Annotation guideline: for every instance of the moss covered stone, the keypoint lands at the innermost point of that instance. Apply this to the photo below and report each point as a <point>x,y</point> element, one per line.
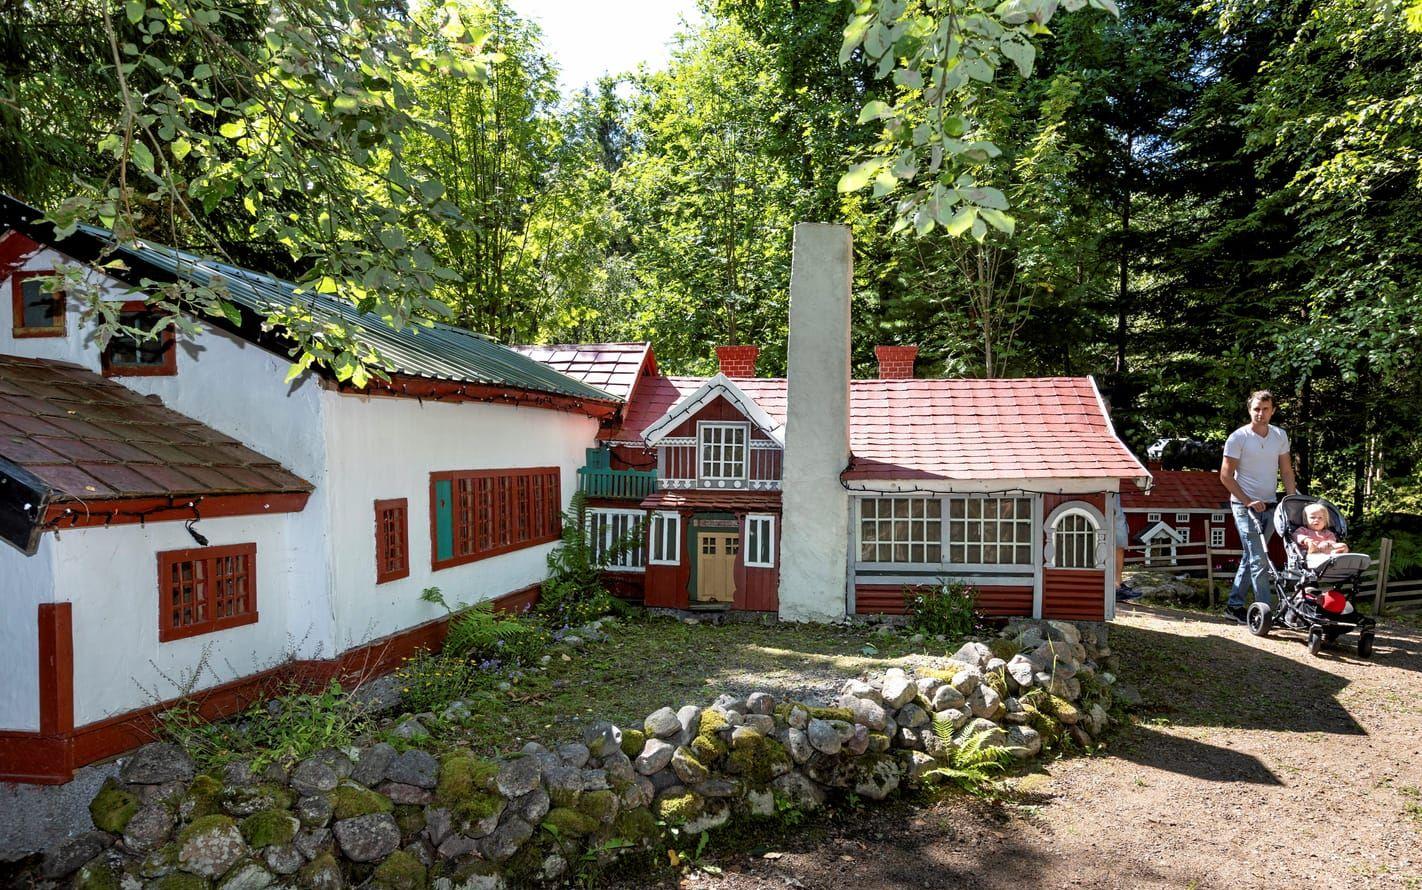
<point>632,742</point>
<point>712,721</point>
<point>599,805</point>
<point>1004,648</point>
<point>96,876</point>
<point>782,711</point>
<point>349,801</point>
<point>269,828</point>
<point>112,807</point>
<point>204,798</point>
<point>247,801</point>
<point>467,786</point>
<point>708,748</point>
<point>759,760</point>
<point>323,871</point>
<point>203,826</point>
<point>565,821</point>
<point>678,809</point>
<point>180,881</point>
<point>639,826</point>
<point>399,871</point>
<point>410,818</point>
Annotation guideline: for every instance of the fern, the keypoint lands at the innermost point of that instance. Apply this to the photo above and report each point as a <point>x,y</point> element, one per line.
<point>573,593</point>
<point>478,633</point>
<point>971,762</point>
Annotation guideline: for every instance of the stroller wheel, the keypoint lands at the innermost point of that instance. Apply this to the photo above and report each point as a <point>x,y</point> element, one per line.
<point>1365,646</point>
<point>1261,619</point>
<point>1315,641</point>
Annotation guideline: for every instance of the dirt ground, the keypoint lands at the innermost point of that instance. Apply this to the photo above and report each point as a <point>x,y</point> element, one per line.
<point>1252,765</point>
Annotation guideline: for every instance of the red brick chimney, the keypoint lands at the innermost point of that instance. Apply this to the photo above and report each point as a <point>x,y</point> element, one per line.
<point>737,361</point>
<point>895,362</point>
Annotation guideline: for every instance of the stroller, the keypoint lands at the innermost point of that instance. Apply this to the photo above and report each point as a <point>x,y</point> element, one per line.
<point>1316,598</point>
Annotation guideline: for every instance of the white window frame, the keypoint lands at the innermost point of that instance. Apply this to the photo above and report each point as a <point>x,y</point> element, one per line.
<point>758,525</point>
<point>703,462</point>
<point>1152,517</point>
<point>1217,517</point>
<point>924,522</point>
<point>1018,522</point>
<point>602,523</point>
<point>1097,534</point>
<point>1217,537</point>
<point>1182,517</point>
<point>1184,532</point>
<point>664,539</point>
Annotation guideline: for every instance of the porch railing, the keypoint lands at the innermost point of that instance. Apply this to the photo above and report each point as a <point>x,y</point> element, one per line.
<point>626,484</point>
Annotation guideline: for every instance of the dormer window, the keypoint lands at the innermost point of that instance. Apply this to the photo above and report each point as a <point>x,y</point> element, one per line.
<point>129,355</point>
<point>38,305</point>
<point>721,451</point>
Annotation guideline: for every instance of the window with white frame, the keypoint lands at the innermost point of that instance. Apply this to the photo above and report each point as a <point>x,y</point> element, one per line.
<point>1076,540</point>
<point>722,450</point>
<point>616,538</point>
<point>1184,532</point>
<point>989,530</point>
<point>760,541</point>
<point>1152,517</point>
<point>665,539</point>
<point>1217,517</point>
<point>1217,537</point>
<point>903,530</point>
<point>1182,517</point>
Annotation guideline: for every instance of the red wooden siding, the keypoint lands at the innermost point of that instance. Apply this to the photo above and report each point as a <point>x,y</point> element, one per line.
<point>721,411</point>
<point>993,601</point>
<point>757,589</point>
<point>666,586</point>
<point>1076,594</point>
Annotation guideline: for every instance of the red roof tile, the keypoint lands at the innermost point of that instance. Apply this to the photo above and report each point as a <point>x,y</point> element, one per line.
<point>611,367</point>
<point>88,437</point>
<point>1180,490</point>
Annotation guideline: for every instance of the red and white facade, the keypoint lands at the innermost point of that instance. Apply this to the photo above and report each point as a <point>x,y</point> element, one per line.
<point>1184,514</point>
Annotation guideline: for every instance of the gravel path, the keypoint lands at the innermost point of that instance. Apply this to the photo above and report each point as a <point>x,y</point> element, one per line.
<point>1253,765</point>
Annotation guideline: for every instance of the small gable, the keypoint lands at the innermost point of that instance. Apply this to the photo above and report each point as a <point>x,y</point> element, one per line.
<point>718,399</point>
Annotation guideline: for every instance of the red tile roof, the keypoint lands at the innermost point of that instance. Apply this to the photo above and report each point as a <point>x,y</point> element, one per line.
<point>612,367</point>
<point>1030,428</point>
<point>89,438</point>
<point>1180,490</point>
<point>700,499</point>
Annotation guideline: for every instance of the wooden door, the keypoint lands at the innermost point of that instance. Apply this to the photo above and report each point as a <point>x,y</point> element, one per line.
<point>716,566</point>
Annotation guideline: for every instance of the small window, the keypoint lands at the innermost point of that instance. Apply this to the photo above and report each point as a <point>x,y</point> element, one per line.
<point>38,306</point>
<point>665,539</point>
<point>616,539</point>
<point>128,355</point>
<point>1152,517</point>
<point>760,541</point>
<point>901,530</point>
<point>723,450</point>
<point>1076,541</point>
<point>1217,537</point>
<point>1182,517</point>
<point>1217,517</point>
<point>392,540</point>
<point>1184,533</point>
<point>206,589</point>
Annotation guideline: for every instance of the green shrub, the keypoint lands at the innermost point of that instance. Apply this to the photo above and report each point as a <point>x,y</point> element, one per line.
<point>477,633</point>
<point>430,681</point>
<point>946,609</point>
<point>971,762</point>
<point>574,593</point>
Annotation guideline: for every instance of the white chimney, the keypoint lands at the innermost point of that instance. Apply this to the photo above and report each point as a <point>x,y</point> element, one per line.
<point>814,538</point>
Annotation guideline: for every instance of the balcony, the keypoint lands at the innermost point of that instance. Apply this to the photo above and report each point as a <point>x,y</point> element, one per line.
<point>601,482</point>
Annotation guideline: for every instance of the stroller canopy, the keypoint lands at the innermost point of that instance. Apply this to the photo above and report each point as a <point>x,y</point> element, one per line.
<point>1289,515</point>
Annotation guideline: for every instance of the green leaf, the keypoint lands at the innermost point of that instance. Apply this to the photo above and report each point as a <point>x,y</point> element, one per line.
<point>229,311</point>
<point>873,111</point>
<point>233,129</point>
<point>999,220</point>
<point>961,221</point>
<point>979,230</point>
<point>180,148</point>
<point>135,9</point>
<point>986,196</point>
<point>884,183</point>
<point>1021,53</point>
<point>393,239</point>
<point>859,176</point>
<point>141,156</point>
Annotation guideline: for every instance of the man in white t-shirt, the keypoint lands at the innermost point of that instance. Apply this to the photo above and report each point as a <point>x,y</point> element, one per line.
<point>1255,455</point>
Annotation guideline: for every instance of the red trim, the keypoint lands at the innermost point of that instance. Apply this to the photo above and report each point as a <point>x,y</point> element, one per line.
<point>37,758</point>
<point>392,539</point>
<point>126,511</point>
<point>166,338</point>
<point>550,520</point>
<point>17,307</point>
<point>212,593</point>
<point>15,248</point>
<point>56,668</point>
<point>409,387</point>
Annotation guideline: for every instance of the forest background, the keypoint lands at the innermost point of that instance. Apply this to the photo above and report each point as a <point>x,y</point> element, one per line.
<point>1208,199</point>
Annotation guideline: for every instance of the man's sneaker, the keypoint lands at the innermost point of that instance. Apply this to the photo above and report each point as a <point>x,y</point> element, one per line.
<point>1124,593</point>
<point>1238,613</point>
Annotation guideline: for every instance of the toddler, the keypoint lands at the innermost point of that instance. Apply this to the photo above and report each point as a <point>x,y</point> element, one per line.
<point>1316,539</point>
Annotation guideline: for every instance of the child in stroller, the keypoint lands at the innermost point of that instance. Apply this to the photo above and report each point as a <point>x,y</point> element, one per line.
<point>1320,579</point>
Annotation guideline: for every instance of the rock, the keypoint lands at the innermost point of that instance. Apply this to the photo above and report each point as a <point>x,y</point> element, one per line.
<point>865,711</point>
<point>996,736</point>
<point>662,724</point>
<point>311,776</point>
<point>574,754</point>
<point>237,774</point>
<point>972,654</point>
<point>823,736</point>
<point>322,873</point>
<point>414,767</point>
<point>911,716</point>
<point>927,686</point>
<point>966,680</point>
<point>532,807</point>
<point>689,716</point>
<point>655,756</point>
<point>1065,630</point>
<point>799,791</point>
<point>687,768</point>
<point>799,716</point>
<point>619,768</point>
<point>157,763</point>
<point>602,738</point>
<point>410,795</point>
<point>945,697</point>
<point>283,859</point>
<point>719,787</point>
<point>879,779</point>
<point>276,773</point>
<point>369,769</point>
<point>760,703</point>
<point>314,810</point>
<point>564,785</point>
<point>312,841</point>
<point>1021,670</point>
<point>337,760</point>
<point>518,776</point>
<point>368,838</point>
<point>247,877</point>
<point>663,780</point>
<point>1016,714</point>
<point>860,689</point>
<point>1080,735</point>
<point>797,742</point>
<point>503,843</point>
<point>986,703</point>
<point>910,739</point>
<point>455,712</point>
<point>1064,670</point>
<point>210,846</point>
<point>439,824</point>
<point>457,846</point>
<point>898,690</point>
<point>66,857</point>
<point>995,664</point>
<point>148,829</point>
<point>1023,741</point>
<point>1098,719</point>
<point>956,716</point>
<point>859,742</point>
<point>918,764</point>
<point>760,723</point>
<point>745,737</point>
<point>714,815</point>
<point>1067,688</point>
<point>728,702</point>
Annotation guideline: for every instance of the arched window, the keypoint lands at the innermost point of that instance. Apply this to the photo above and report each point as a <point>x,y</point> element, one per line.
<point>1076,540</point>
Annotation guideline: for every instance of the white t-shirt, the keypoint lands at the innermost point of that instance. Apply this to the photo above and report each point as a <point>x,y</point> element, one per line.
<point>1258,469</point>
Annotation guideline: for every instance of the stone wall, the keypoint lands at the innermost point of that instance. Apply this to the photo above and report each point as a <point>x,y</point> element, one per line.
<point>377,817</point>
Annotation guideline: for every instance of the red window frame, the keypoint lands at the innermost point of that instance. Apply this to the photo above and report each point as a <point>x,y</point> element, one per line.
<point>17,307</point>
<point>234,564</point>
<point>392,539</point>
<point>168,368</point>
<point>496,512</point>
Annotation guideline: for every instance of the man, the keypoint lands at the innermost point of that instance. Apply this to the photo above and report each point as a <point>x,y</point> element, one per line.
<point>1255,455</point>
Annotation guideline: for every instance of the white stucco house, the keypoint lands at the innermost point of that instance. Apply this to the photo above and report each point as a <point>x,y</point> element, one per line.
<point>179,518</point>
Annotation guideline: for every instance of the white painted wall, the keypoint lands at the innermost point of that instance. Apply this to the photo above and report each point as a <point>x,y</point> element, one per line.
<point>25,583</point>
<point>111,577</point>
<point>814,551</point>
<point>387,448</point>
